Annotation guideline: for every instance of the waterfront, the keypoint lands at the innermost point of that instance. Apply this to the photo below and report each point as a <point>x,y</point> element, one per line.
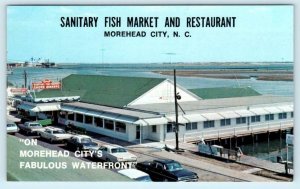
<point>285,88</point>
<point>260,149</point>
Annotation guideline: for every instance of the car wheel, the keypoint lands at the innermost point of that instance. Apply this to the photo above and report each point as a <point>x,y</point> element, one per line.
<point>51,140</point>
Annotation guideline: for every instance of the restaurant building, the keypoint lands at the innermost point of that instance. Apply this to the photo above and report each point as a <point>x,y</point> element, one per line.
<point>140,109</point>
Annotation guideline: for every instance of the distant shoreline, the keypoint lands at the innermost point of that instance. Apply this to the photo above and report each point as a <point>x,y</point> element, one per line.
<point>266,75</point>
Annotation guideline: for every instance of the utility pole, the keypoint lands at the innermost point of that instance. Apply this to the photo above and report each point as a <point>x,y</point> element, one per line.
<point>25,79</point>
<point>176,111</point>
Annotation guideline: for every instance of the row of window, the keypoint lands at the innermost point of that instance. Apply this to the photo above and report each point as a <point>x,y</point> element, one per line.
<point>226,122</point>
<point>98,122</point>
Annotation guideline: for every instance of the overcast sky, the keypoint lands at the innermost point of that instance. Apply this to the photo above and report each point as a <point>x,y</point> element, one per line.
<point>262,33</point>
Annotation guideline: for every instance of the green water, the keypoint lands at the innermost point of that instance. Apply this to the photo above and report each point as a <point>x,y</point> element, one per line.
<point>263,149</point>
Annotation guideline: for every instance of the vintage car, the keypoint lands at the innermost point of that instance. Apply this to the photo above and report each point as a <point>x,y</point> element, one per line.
<point>54,134</point>
<point>82,143</point>
<point>115,153</point>
<point>167,170</point>
<point>30,127</point>
<point>136,175</point>
<point>11,128</point>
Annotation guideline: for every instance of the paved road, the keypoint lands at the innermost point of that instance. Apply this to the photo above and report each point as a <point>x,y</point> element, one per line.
<point>142,156</point>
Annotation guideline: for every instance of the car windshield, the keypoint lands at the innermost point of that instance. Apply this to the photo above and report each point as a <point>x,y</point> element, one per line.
<point>11,125</point>
<point>144,179</point>
<point>118,150</point>
<point>34,125</point>
<point>173,166</point>
<point>86,140</point>
<point>59,132</point>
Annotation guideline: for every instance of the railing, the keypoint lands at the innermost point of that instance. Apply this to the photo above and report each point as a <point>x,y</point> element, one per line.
<point>239,130</point>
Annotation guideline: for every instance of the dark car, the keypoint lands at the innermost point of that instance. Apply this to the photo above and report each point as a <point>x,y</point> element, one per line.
<point>82,142</point>
<point>167,170</point>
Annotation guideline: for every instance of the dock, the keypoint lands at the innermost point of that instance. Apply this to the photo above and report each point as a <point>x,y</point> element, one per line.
<point>244,159</point>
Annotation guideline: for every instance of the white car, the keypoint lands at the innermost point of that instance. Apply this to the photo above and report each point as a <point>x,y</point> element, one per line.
<point>11,127</point>
<point>135,174</point>
<point>54,134</point>
<point>115,153</point>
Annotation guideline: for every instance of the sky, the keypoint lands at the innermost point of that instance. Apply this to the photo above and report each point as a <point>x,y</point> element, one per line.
<point>262,34</point>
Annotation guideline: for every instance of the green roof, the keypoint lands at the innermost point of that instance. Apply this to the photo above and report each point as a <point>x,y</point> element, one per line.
<point>224,92</point>
<point>114,91</point>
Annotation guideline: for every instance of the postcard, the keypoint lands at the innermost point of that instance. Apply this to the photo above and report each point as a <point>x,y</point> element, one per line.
<point>164,93</point>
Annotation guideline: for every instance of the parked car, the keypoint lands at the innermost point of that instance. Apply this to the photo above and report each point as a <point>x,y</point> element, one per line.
<point>30,127</point>
<point>115,153</point>
<point>11,128</point>
<point>54,134</point>
<point>82,142</point>
<point>136,175</point>
<point>167,170</point>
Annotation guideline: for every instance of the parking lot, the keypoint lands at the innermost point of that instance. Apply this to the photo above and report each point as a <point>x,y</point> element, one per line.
<point>147,152</point>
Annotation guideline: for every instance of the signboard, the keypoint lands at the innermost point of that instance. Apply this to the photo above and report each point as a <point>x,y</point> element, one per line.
<point>46,84</point>
<point>289,139</point>
<point>18,90</point>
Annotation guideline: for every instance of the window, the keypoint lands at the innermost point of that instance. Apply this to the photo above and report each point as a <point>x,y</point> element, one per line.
<point>153,128</point>
<point>71,117</point>
<point>292,114</point>
<point>240,120</point>
<point>209,124</point>
<point>225,122</point>
<point>120,127</point>
<point>98,122</point>
<point>269,117</point>
<point>159,166</point>
<point>255,118</point>
<point>88,119</point>
<point>169,128</point>
<point>108,124</point>
<point>282,116</point>
<point>79,118</point>
<point>63,115</point>
<point>191,126</point>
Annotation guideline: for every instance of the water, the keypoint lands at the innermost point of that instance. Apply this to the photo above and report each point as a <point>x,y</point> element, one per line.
<point>144,70</point>
<point>269,151</point>
<point>261,149</point>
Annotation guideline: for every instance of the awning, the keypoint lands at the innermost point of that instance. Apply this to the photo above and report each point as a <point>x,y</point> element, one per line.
<point>194,118</point>
<point>68,108</point>
<point>53,99</point>
<point>212,116</point>
<point>93,113</point>
<point>286,108</point>
<point>74,109</point>
<point>110,116</point>
<point>39,107</point>
<point>273,110</point>
<point>259,111</point>
<point>181,119</point>
<point>229,114</point>
<point>26,107</point>
<point>244,113</point>
<point>152,121</point>
<point>126,119</point>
